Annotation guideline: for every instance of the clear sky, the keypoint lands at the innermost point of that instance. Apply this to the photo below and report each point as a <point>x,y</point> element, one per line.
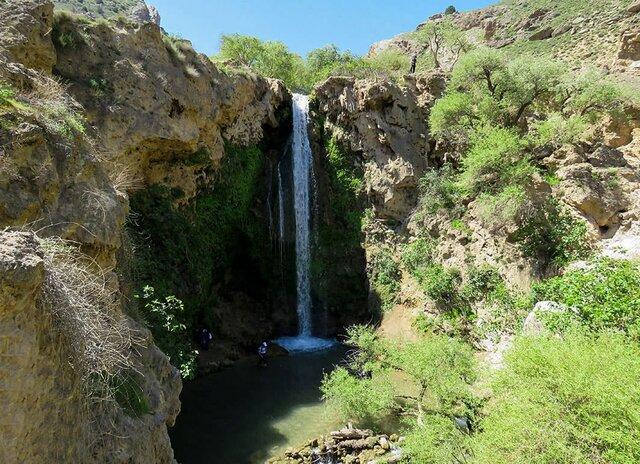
<point>302,24</point>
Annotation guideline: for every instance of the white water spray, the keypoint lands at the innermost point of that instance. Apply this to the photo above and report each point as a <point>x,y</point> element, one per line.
<point>303,183</point>
<point>302,159</point>
<point>280,211</point>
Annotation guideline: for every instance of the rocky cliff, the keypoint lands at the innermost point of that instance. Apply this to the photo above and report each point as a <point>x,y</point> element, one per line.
<point>91,111</point>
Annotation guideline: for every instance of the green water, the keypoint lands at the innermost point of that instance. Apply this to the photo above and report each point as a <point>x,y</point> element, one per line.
<point>246,414</point>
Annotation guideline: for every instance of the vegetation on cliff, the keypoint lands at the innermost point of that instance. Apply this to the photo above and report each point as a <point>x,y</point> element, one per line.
<point>188,252</point>
<point>275,60</point>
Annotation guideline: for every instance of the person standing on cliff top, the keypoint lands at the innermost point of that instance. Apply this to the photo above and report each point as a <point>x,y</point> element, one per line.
<point>414,62</point>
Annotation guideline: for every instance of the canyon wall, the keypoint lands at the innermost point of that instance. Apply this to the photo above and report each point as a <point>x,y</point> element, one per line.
<point>91,112</point>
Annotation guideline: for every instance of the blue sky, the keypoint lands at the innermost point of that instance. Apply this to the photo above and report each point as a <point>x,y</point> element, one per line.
<point>302,24</point>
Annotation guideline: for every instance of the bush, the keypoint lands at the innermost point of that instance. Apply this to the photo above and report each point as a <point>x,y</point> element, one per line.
<point>418,255</point>
<point>495,160</point>
<point>606,294</point>
<point>440,284</point>
<point>164,316</point>
<point>550,235</point>
<point>385,278</point>
<point>97,336</point>
<point>439,371</point>
<point>558,130</point>
<point>569,400</point>
<point>438,191</point>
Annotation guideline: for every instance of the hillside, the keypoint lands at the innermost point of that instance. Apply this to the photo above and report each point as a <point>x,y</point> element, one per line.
<point>603,33</point>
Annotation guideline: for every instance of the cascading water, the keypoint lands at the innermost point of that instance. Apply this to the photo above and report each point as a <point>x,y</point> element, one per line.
<point>302,159</point>
<point>280,211</point>
<point>303,183</point>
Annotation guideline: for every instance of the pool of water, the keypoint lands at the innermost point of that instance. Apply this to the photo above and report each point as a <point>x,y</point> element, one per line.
<point>246,414</point>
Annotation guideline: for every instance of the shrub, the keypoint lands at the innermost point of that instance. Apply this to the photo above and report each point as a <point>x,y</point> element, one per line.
<point>440,284</point>
<point>549,234</point>
<point>564,400</point>
<point>164,316</point>
<point>438,191</point>
<point>494,161</point>
<point>436,441</point>
<point>418,255</point>
<point>605,294</point>
<point>85,313</point>
<point>385,278</point>
<point>557,130</point>
<point>439,370</point>
<point>450,10</point>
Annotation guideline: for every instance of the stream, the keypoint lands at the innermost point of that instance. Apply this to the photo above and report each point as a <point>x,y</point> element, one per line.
<point>246,414</point>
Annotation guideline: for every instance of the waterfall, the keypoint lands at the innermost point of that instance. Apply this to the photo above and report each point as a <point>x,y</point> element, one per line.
<point>302,160</point>
<point>303,185</point>
<point>280,211</point>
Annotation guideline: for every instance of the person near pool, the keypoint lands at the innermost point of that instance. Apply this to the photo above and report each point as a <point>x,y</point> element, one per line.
<point>262,354</point>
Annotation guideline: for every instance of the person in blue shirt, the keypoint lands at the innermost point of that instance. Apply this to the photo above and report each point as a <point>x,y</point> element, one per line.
<point>262,354</point>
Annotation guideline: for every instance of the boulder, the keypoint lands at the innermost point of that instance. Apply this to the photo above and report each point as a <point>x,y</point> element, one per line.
<point>533,324</point>
<point>542,34</point>
<point>596,193</point>
<point>634,8</point>
<point>629,48</point>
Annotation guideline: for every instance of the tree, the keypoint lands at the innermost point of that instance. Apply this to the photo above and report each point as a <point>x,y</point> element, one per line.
<point>270,59</point>
<point>440,370</point>
<point>450,10</point>
<point>441,37</point>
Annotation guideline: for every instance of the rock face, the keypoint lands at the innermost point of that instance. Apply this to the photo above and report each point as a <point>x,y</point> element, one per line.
<point>386,126</point>
<point>137,110</point>
<point>156,102</point>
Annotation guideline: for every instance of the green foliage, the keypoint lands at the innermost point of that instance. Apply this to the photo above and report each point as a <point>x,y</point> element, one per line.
<point>340,238</point>
<point>564,400</point>
<point>551,235</point>
<point>558,130</point>
<point>164,316</point>
<point>605,294</point>
<point>494,160</point>
<point>438,372</point>
<point>65,32</point>
<point>275,60</point>
<point>440,284</point>
<point>418,254</point>
<point>450,10</point>
<point>7,93</point>
<point>190,251</point>
<point>385,278</point>
<point>359,399</point>
<point>436,441</point>
<point>271,59</point>
<point>129,395</point>
<point>438,190</point>
<point>438,36</point>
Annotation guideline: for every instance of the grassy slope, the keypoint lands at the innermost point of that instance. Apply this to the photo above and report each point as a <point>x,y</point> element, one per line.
<point>592,40</point>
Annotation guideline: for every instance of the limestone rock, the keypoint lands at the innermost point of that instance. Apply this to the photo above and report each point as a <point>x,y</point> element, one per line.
<point>385,124</point>
<point>634,8</point>
<point>629,48</point>
<point>542,34</point>
<point>25,33</point>
<point>144,13</point>
<point>588,190</point>
<point>533,324</point>
<point>162,102</point>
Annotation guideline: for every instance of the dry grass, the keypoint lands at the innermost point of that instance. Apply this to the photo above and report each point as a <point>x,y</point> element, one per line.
<point>86,313</point>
